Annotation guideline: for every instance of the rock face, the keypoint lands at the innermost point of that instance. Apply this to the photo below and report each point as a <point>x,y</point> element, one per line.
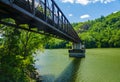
<point>35,75</point>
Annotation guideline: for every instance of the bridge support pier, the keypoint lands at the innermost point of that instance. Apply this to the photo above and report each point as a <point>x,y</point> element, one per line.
<point>78,50</point>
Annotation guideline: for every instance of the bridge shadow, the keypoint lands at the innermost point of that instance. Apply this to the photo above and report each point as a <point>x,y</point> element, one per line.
<point>70,73</point>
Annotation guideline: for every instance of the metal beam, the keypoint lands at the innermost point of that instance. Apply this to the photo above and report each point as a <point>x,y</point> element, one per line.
<point>67,32</point>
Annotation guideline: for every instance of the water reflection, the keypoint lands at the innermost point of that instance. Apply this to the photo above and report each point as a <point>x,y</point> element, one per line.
<point>70,73</point>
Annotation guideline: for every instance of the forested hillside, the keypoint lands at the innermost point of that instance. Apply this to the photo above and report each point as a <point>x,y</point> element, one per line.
<point>101,32</point>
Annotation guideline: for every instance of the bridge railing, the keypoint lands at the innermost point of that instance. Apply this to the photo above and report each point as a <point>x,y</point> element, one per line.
<point>48,11</point>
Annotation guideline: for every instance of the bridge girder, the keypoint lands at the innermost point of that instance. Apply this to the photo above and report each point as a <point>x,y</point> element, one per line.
<point>57,25</point>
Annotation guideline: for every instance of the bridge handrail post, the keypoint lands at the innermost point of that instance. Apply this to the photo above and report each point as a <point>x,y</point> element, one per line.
<point>53,9</point>
<point>33,7</point>
<point>58,17</point>
<point>45,10</point>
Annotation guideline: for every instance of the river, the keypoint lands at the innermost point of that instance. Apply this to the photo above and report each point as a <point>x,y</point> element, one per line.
<point>99,65</point>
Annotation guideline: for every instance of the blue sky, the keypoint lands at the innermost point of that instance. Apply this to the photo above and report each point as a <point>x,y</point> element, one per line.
<point>83,10</point>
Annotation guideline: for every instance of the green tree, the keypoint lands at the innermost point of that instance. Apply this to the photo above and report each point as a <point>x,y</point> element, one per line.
<point>17,47</point>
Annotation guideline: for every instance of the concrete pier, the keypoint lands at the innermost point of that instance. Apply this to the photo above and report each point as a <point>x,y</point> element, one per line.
<point>78,50</point>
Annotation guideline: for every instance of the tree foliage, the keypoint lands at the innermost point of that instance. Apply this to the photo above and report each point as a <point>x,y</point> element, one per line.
<point>54,43</point>
<point>16,49</point>
<point>101,32</point>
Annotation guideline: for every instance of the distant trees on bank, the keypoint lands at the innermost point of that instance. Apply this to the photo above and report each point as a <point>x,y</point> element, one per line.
<point>100,33</point>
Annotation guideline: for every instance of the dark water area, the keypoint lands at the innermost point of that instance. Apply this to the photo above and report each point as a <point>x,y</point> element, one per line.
<point>99,65</point>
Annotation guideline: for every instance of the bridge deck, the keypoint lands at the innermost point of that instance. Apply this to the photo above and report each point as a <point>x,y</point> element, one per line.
<point>38,15</point>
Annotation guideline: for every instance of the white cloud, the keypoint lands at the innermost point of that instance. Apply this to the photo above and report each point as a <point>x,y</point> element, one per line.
<point>70,15</point>
<point>70,1</point>
<point>84,16</point>
<point>115,11</point>
<point>85,2</point>
<point>82,2</point>
<point>102,1</point>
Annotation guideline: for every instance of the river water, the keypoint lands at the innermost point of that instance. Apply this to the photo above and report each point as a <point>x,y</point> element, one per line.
<point>99,65</point>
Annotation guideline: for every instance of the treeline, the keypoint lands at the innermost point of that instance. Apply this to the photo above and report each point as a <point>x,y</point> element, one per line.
<point>54,43</point>
<point>100,33</point>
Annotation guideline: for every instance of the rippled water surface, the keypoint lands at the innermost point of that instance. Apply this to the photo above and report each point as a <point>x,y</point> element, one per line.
<point>99,65</point>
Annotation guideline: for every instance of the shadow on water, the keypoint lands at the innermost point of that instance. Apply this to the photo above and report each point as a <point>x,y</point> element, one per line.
<point>47,78</point>
<point>70,73</point>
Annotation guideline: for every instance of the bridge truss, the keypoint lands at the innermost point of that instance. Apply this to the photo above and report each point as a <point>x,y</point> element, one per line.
<point>44,15</point>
